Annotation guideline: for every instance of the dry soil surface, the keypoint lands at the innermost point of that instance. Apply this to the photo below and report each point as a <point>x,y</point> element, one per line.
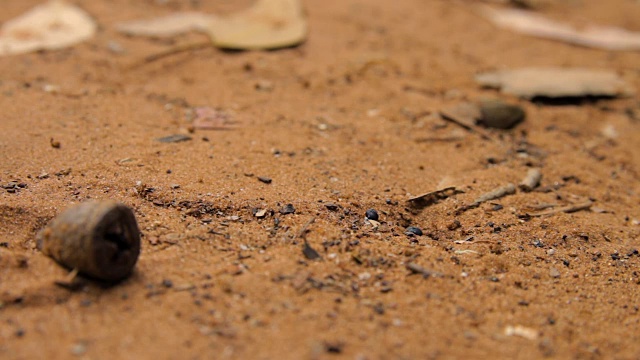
<point>346,122</point>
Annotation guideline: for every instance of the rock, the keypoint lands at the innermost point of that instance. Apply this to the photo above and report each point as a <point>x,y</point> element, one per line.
<point>412,230</point>
<point>500,115</point>
<point>371,214</point>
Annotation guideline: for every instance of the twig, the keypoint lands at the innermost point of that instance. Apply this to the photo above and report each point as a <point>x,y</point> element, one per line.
<point>531,181</point>
<point>433,197</point>
<point>508,189</point>
<point>566,209</point>
<point>417,269</point>
<point>163,54</point>
<point>302,234</point>
<point>465,115</point>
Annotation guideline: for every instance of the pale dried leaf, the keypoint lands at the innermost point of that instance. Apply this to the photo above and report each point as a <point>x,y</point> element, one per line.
<point>268,24</point>
<point>53,25</point>
<point>556,82</point>
<point>167,26</point>
<point>530,23</point>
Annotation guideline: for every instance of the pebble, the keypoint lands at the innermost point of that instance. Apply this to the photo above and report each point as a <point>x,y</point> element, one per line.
<point>372,214</point>
<point>264,179</point>
<point>260,213</point>
<point>412,230</point>
<point>331,206</point>
<point>500,115</point>
<point>287,209</point>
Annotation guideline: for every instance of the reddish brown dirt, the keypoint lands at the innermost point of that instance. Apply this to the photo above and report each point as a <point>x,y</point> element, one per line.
<point>341,119</point>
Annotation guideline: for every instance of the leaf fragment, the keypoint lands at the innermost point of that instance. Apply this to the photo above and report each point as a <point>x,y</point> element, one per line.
<point>50,26</point>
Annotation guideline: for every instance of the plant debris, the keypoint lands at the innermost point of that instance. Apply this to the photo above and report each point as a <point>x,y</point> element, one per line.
<point>268,24</point>
<point>553,82</point>
<point>417,269</point>
<point>497,193</point>
<point>207,118</point>
<point>531,181</point>
<point>563,209</point>
<point>100,239</point>
<point>465,115</point>
<point>174,138</point>
<point>533,24</point>
<point>309,252</point>
<point>50,26</point>
<point>433,197</point>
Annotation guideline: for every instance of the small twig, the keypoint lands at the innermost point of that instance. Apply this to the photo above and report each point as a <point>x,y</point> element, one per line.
<point>464,115</point>
<point>417,269</point>
<point>72,281</point>
<point>302,234</point>
<point>531,181</point>
<point>566,209</point>
<point>502,191</point>
<point>433,197</point>
<point>461,252</point>
<point>166,53</point>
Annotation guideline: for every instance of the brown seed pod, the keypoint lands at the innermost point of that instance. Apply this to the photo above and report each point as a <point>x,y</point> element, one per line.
<point>99,238</point>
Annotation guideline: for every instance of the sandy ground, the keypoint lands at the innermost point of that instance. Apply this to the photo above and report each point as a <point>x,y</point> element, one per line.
<point>346,122</point>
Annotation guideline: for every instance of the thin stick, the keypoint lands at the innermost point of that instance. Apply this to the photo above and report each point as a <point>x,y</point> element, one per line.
<point>305,228</point>
<point>531,181</point>
<point>502,191</point>
<point>566,209</point>
<point>163,54</point>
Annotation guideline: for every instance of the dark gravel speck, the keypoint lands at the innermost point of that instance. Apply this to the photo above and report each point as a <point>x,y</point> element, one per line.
<point>331,206</point>
<point>264,179</point>
<point>372,214</point>
<point>412,230</point>
<point>287,209</point>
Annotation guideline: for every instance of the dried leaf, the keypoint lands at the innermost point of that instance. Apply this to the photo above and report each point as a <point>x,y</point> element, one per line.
<point>268,24</point>
<point>207,118</point>
<point>50,26</point>
<point>167,26</point>
<point>556,82</point>
<point>530,23</point>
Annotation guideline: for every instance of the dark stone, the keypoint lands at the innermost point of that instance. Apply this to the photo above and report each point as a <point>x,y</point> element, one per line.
<point>412,230</point>
<point>287,209</point>
<point>372,214</point>
<point>500,115</point>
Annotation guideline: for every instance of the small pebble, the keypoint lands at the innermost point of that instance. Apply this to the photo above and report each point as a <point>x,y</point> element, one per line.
<point>264,179</point>
<point>371,214</point>
<point>500,115</point>
<point>412,230</point>
<point>287,209</point>
<point>331,206</point>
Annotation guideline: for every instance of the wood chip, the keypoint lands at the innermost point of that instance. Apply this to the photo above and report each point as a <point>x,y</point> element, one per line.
<point>433,197</point>
<point>531,181</point>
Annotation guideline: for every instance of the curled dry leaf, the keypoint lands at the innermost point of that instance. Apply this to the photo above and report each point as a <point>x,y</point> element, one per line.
<point>50,26</point>
<point>530,23</point>
<point>268,24</point>
<point>556,82</point>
